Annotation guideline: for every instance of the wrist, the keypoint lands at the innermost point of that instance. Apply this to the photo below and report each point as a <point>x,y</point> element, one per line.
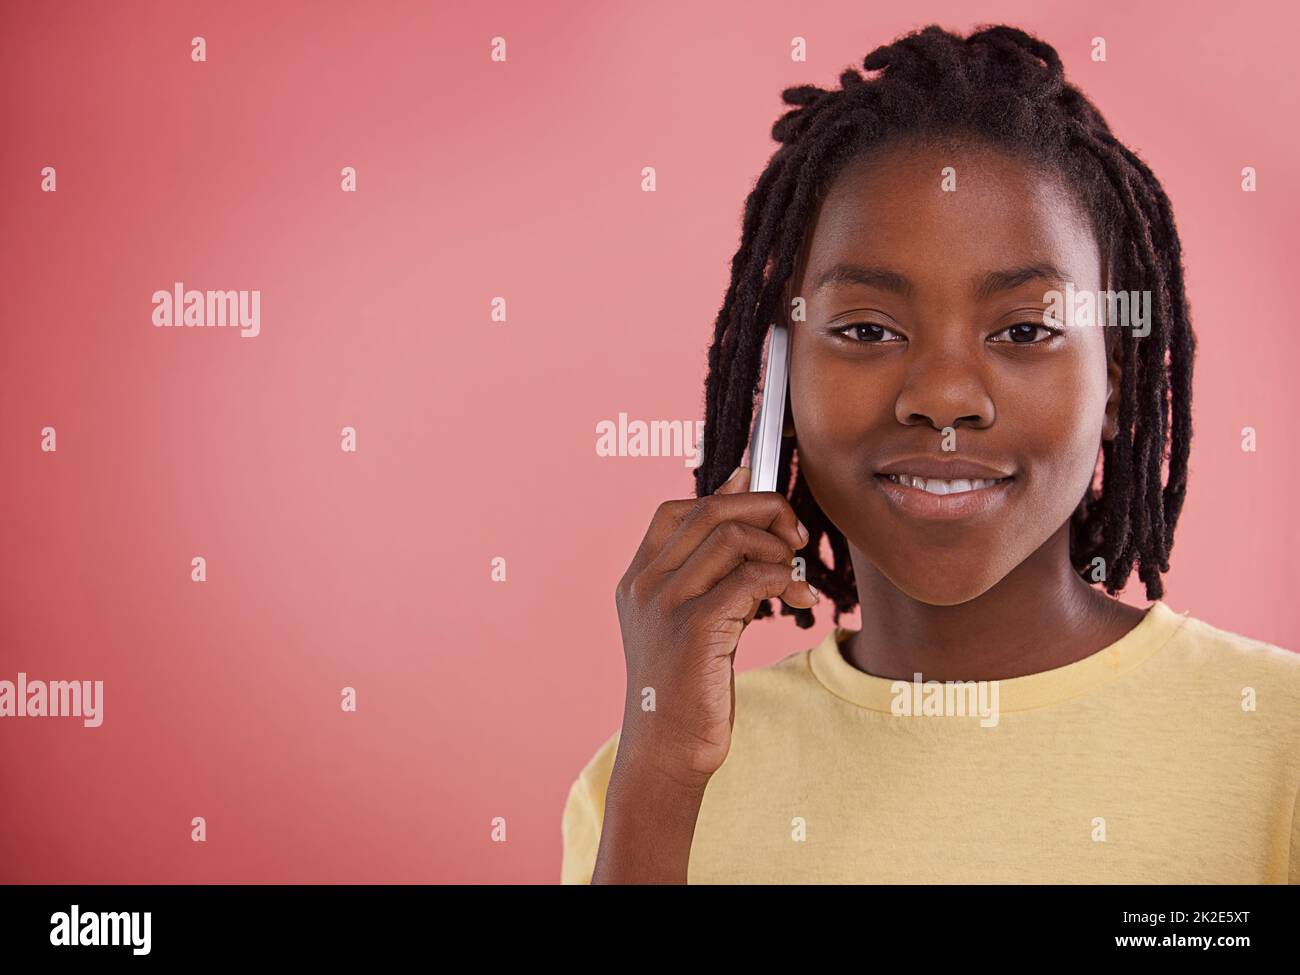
<point>654,763</point>
<point>637,779</point>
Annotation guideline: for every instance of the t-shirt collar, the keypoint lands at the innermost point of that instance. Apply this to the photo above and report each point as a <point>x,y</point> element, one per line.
<point>1151,633</point>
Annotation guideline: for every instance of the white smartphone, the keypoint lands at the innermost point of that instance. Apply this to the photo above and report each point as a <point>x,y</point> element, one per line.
<point>765,439</point>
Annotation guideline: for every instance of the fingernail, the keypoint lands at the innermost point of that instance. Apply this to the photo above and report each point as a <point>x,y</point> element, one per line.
<point>803,532</point>
<point>816,594</point>
<point>733,475</point>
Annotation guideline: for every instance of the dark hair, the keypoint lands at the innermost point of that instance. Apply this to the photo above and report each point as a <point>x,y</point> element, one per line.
<point>1006,88</point>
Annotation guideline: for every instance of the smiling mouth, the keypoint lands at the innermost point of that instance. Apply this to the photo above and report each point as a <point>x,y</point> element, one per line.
<point>944,486</point>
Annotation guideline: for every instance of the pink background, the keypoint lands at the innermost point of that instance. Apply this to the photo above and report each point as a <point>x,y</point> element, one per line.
<point>475,439</point>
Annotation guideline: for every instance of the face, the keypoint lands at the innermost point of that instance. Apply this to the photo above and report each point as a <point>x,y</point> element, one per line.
<point>925,353</point>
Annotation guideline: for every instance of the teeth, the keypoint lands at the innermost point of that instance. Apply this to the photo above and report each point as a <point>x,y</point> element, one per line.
<point>937,485</point>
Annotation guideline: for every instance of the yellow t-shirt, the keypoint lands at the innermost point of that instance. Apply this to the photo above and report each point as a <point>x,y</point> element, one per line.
<point>1171,756</point>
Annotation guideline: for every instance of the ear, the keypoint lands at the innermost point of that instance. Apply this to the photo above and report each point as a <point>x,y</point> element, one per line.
<point>1114,372</point>
<point>787,425</point>
<point>1114,366</point>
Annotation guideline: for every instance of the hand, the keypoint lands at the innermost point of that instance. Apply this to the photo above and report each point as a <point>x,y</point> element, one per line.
<point>692,588</point>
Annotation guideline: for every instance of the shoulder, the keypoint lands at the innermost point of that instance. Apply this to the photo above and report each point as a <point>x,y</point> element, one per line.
<point>1213,663</point>
<point>1262,680</point>
<point>1217,651</point>
<point>588,789</point>
<point>584,814</point>
<point>602,762</point>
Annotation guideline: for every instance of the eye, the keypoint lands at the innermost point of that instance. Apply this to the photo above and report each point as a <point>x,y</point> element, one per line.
<point>867,333</point>
<point>1024,333</point>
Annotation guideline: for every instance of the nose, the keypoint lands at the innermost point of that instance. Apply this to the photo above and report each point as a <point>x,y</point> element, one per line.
<point>944,388</point>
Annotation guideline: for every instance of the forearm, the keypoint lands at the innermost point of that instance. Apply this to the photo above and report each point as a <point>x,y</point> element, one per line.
<point>648,827</point>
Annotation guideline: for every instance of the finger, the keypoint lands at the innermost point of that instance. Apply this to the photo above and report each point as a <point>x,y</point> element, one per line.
<point>767,510</point>
<point>669,516</point>
<point>727,546</point>
<point>738,483</point>
<point>737,596</point>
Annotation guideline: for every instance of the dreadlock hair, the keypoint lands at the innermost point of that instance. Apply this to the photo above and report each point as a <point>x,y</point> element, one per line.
<point>1004,87</point>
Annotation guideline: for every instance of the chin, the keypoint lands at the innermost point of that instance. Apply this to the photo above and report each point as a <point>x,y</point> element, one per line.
<point>940,589</point>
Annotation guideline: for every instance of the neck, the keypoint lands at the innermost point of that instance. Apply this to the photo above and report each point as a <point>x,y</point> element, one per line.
<point>1040,616</point>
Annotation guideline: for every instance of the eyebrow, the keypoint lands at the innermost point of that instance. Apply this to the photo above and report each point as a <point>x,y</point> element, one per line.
<point>871,277</point>
<point>886,280</point>
<point>996,281</point>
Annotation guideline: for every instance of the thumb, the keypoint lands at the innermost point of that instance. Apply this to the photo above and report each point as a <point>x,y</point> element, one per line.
<point>738,483</point>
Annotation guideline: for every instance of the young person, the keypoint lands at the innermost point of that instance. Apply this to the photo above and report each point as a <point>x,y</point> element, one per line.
<point>972,455</point>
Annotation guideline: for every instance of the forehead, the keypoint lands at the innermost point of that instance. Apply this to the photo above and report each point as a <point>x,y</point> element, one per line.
<point>890,208</point>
